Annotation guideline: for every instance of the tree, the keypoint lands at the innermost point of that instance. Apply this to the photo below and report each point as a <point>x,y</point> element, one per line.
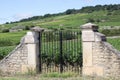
<point>47,15</point>
<point>70,11</point>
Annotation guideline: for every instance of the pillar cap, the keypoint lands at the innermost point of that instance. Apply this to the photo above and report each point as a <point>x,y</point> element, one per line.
<point>89,26</point>
<point>37,29</point>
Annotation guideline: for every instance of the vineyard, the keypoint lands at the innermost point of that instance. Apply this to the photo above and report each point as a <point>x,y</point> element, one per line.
<point>8,41</point>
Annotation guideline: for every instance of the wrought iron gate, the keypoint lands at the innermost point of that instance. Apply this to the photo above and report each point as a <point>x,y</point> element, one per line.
<point>60,51</point>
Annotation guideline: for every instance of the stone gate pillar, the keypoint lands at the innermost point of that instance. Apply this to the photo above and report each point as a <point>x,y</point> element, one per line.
<point>88,37</point>
<point>99,57</point>
<point>33,46</point>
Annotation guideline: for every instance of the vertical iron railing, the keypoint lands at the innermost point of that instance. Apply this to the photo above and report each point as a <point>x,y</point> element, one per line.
<point>61,53</point>
<point>39,55</point>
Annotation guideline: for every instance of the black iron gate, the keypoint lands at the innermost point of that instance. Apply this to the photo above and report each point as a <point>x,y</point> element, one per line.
<point>60,51</point>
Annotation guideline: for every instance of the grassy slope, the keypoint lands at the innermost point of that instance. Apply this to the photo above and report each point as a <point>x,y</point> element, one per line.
<point>73,20</point>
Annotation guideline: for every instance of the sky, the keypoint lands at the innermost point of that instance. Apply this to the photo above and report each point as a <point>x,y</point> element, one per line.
<point>14,10</point>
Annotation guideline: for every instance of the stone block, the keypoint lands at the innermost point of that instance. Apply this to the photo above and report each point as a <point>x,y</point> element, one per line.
<point>93,71</point>
<point>100,37</point>
<point>31,38</point>
<point>88,36</point>
<point>27,68</point>
<point>87,53</point>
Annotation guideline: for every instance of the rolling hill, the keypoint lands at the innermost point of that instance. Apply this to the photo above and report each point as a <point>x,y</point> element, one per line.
<point>106,15</point>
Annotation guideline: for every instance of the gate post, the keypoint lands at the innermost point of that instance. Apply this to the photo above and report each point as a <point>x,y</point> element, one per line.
<point>32,40</point>
<point>88,37</point>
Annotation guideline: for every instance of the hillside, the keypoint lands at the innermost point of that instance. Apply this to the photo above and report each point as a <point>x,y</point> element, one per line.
<point>73,20</point>
<point>106,15</point>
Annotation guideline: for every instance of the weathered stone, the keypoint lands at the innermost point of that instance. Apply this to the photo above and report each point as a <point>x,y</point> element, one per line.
<point>90,26</point>
<point>24,56</point>
<point>37,29</point>
<point>105,59</point>
<point>31,38</point>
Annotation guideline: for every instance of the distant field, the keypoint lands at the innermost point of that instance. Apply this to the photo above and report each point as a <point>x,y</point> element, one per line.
<point>10,39</point>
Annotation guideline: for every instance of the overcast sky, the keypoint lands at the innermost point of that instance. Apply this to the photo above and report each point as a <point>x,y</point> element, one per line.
<point>12,10</point>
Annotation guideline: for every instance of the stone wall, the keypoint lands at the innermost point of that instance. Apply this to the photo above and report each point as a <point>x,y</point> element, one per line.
<point>25,56</point>
<point>107,57</point>
<point>99,57</point>
<point>13,62</point>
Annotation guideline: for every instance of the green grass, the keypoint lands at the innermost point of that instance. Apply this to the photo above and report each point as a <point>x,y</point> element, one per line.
<point>59,75</point>
<point>54,76</point>
<point>10,39</point>
<point>5,50</point>
<point>115,42</point>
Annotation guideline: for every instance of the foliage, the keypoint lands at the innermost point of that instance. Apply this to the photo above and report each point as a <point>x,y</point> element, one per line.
<point>115,42</point>
<point>111,32</point>
<point>68,35</point>
<point>10,39</point>
<point>5,50</point>
<point>110,7</point>
<point>71,49</point>
<point>5,30</point>
<point>116,12</point>
<point>58,75</point>
<point>90,20</point>
<point>6,42</point>
<point>71,11</point>
<point>28,27</point>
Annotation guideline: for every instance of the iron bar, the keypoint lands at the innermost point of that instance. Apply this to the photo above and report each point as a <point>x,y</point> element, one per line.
<point>40,68</point>
<point>61,53</point>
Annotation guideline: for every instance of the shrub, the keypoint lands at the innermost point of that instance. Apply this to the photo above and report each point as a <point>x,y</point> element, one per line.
<point>5,30</point>
<point>111,32</point>
<point>28,27</point>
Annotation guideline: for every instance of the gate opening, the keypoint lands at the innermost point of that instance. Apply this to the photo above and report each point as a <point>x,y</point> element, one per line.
<point>60,51</point>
